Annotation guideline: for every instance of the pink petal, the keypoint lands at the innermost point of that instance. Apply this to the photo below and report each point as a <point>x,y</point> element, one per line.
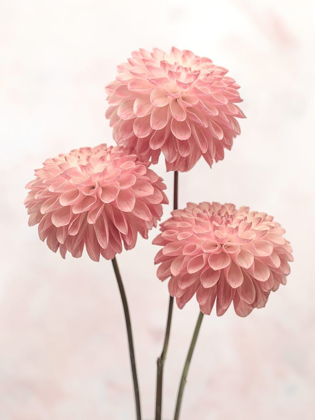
<point>180,129</point>
<point>189,100</point>
<point>194,114</point>
<point>203,140</point>
<point>163,272</point>
<point>247,235</point>
<point>142,211</point>
<point>230,248</point>
<point>177,265</point>
<point>84,205</point>
<point>141,127</point>
<point>261,271</point>
<point>143,188</point>
<point>234,275</point>
<point>186,280</point>
<point>101,231</point>
<point>123,92</point>
<point>209,278</point>
<point>69,197</point>
<point>126,201</point>
<point>76,224</point>
<point>225,296</point>
<point>120,222</point>
<point>219,261</point>
<point>142,106</point>
<point>216,130</point>
<point>206,307</point>
<point>276,239</point>
<point>95,214</point>
<point>126,129</point>
<point>196,264</point>
<point>189,293</point>
<point>285,267</point>
<point>221,236</point>
<point>139,85</point>
<point>190,249</point>
<point>172,248</point>
<point>160,118</point>
<point>263,248</point>
<point>159,97</point>
<point>127,181</point>
<point>109,193</point>
<point>158,139</point>
<point>125,110</point>
<point>172,89</point>
<point>92,245</point>
<point>203,295</point>
<point>184,148</point>
<point>247,290</point>
<point>242,308</point>
<point>177,111</point>
<point>275,259</point>
<point>245,258</point>
<point>50,204</point>
<point>61,217</point>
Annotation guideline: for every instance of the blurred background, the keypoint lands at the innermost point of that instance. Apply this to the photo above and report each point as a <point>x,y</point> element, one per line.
<point>63,349</point>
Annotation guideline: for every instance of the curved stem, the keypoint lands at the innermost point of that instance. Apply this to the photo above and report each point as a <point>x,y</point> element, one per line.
<point>186,367</point>
<point>160,363</point>
<point>130,339</point>
<point>162,358</point>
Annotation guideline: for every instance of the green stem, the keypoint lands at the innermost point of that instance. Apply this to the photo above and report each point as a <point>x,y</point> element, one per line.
<point>161,361</point>
<point>175,190</point>
<point>162,358</point>
<point>130,339</point>
<point>186,367</point>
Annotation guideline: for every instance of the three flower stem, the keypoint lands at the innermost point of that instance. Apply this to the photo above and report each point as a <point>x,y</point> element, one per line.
<point>162,358</point>
<point>130,338</point>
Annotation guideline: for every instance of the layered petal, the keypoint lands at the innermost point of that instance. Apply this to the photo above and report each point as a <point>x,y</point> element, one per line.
<point>222,254</point>
<point>99,198</point>
<point>178,104</point>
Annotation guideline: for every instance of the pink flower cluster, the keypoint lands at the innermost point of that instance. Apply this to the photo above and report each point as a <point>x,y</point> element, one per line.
<point>222,254</point>
<point>182,106</point>
<point>178,104</point>
<point>99,198</point>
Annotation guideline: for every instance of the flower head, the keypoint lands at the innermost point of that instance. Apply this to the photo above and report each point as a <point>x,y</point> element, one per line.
<point>220,253</point>
<point>98,197</point>
<point>179,104</point>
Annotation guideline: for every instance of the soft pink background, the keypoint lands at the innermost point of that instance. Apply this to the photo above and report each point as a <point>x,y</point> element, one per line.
<point>63,351</point>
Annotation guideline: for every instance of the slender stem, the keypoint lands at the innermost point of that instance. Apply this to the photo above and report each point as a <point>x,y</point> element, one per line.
<point>161,361</point>
<point>175,190</point>
<point>186,367</point>
<point>130,339</point>
<point>162,358</point>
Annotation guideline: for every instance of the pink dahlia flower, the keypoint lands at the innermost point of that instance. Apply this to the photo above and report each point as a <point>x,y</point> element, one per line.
<point>98,197</point>
<point>179,104</point>
<point>220,253</point>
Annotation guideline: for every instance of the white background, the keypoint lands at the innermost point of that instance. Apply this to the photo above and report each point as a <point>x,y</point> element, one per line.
<point>63,351</point>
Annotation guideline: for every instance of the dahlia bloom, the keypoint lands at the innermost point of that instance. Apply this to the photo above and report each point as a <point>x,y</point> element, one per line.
<point>99,197</point>
<point>179,104</point>
<point>220,253</point>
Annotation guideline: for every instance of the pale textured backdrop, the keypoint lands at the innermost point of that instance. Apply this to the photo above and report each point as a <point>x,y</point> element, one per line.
<point>63,352</point>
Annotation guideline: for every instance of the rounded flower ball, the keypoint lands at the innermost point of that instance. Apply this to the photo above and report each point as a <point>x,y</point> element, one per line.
<point>222,254</point>
<point>179,104</point>
<point>99,198</point>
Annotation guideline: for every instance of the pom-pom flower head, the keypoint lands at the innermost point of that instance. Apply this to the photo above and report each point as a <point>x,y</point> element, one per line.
<point>179,104</point>
<point>98,197</point>
<point>220,253</point>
